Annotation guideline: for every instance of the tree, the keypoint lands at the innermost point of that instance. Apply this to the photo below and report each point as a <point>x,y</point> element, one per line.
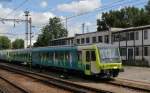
<point>53,30</point>
<point>147,7</point>
<point>18,43</point>
<point>126,17</point>
<point>4,42</point>
<point>102,25</point>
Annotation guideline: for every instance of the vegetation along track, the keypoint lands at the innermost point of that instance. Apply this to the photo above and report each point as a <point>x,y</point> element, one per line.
<point>55,81</point>
<point>75,87</point>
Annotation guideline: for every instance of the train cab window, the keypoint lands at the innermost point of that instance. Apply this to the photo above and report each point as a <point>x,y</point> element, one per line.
<point>87,66</point>
<point>93,56</point>
<point>87,56</point>
<point>90,56</point>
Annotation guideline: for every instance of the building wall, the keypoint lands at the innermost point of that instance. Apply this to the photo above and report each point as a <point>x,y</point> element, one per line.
<point>130,43</point>
<point>134,44</point>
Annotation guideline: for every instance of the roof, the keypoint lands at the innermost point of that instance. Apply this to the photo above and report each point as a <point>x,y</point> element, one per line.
<point>63,38</point>
<point>116,30</point>
<point>134,28</point>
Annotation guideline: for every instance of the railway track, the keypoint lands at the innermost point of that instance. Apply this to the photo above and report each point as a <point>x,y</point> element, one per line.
<point>66,85</point>
<point>13,86</point>
<point>138,85</point>
<point>84,88</point>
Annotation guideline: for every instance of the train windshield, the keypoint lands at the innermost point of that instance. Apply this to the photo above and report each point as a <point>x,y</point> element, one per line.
<point>109,55</point>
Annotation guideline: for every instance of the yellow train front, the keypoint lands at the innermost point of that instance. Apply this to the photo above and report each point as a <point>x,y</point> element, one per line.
<point>101,60</point>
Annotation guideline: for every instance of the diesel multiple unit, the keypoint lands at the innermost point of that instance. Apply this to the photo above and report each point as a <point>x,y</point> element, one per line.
<point>102,60</point>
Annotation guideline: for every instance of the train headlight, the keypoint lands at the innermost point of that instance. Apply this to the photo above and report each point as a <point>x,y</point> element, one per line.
<point>115,67</point>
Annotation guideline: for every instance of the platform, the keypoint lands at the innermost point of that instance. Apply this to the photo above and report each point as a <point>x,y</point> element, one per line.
<point>136,73</point>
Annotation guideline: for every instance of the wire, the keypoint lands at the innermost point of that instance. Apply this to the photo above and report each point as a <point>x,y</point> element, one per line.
<point>20,5</point>
<point>10,34</point>
<point>105,7</point>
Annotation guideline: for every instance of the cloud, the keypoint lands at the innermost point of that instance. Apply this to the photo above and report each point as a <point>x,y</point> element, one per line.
<point>39,18</point>
<point>76,28</point>
<point>44,4</point>
<point>80,6</point>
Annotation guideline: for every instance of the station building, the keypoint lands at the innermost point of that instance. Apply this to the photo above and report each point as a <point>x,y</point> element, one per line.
<point>133,42</point>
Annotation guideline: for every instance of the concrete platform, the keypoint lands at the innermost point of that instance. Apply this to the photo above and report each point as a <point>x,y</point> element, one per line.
<point>136,73</point>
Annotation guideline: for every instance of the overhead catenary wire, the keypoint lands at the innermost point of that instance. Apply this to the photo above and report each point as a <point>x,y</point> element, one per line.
<point>20,5</point>
<point>73,16</point>
<point>105,7</point>
<point>102,9</point>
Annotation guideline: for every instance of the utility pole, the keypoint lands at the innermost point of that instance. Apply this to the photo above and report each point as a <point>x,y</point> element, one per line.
<point>87,29</point>
<point>109,29</point>
<point>3,20</point>
<point>66,23</point>
<point>109,33</point>
<point>83,28</point>
<point>30,23</point>
<point>26,15</point>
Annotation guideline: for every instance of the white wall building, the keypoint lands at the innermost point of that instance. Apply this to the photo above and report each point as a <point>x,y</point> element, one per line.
<point>134,42</point>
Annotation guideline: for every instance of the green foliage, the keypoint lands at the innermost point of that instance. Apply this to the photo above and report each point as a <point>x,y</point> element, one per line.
<point>126,17</point>
<point>5,43</point>
<point>147,7</point>
<point>18,43</point>
<point>53,30</point>
<point>102,25</point>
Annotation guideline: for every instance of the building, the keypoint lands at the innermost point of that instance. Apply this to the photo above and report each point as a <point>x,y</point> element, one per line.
<point>62,41</point>
<point>134,42</point>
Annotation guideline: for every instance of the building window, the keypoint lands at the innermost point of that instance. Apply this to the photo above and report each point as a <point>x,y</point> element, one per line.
<point>116,37</point>
<point>82,40</point>
<point>106,39</point>
<point>87,40</point>
<point>145,51</point>
<point>123,51</point>
<point>78,41</point>
<point>136,35</point>
<point>94,39</point>
<point>136,51</point>
<point>131,37</point>
<point>122,36</point>
<point>145,34</point>
<point>100,38</point>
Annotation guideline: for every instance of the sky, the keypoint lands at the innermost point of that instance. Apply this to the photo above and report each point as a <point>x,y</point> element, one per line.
<point>42,10</point>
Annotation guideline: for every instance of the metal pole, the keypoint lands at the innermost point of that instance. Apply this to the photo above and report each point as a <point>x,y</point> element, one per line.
<point>26,15</point>
<point>30,22</point>
<point>66,23</point>
<point>83,28</point>
<point>109,30</point>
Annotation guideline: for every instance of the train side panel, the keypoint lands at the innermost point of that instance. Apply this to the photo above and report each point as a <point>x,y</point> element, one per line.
<point>56,57</point>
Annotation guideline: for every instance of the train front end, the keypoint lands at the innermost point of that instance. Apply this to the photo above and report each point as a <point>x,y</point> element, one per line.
<point>109,61</point>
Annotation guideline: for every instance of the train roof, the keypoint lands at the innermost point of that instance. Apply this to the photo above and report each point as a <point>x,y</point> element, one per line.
<point>100,45</point>
<point>63,47</point>
<point>54,48</point>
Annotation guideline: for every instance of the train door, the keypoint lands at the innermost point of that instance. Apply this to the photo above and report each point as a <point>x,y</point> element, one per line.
<point>90,60</point>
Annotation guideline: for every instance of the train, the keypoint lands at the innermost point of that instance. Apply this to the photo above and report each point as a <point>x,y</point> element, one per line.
<point>100,60</point>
